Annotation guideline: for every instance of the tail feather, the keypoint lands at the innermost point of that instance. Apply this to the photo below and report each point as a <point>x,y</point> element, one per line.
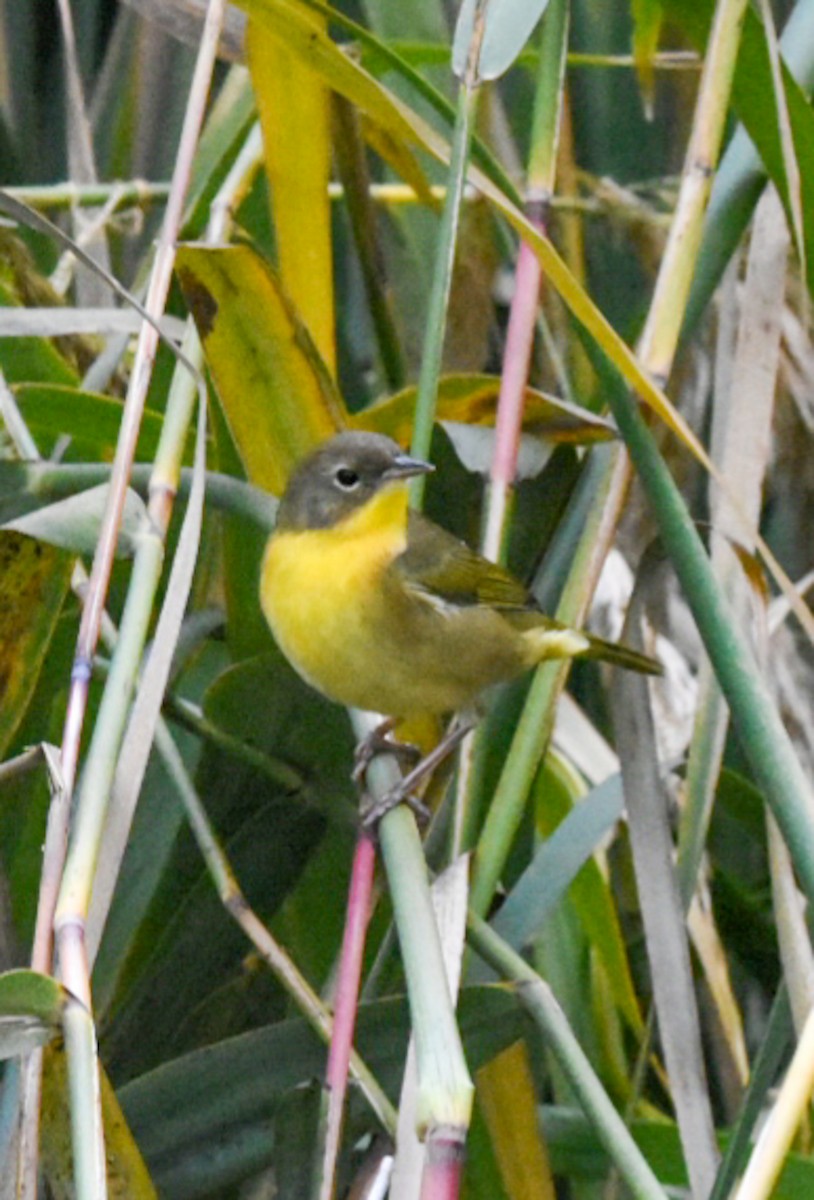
<point>548,638</point>
<point>621,656</point>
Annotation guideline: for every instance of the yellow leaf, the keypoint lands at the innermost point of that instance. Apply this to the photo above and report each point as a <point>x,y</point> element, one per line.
<point>277,394</point>
<point>33,581</point>
<point>127,1176</point>
<point>295,118</point>
<point>472,400</point>
<point>505,1091</point>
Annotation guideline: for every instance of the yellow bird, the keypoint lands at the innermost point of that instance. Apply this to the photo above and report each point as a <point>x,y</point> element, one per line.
<point>380,609</point>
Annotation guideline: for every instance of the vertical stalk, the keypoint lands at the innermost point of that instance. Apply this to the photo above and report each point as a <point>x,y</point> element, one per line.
<point>90,1175</point>
<point>541,174</point>
<point>539,1001</point>
<point>345,1010</point>
<point>435,329</point>
<point>760,730</point>
<point>656,351</point>
<point>660,336</point>
<point>90,814</point>
<point>88,636</point>
<point>445,1088</point>
<point>537,719</point>
<point>519,344</point>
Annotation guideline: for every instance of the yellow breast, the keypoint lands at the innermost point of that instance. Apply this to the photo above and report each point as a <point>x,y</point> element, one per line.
<point>321,594</point>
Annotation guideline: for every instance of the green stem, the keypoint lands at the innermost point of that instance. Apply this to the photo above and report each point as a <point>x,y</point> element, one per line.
<point>539,1001</point>
<point>534,728</point>
<point>445,1088</point>
<point>295,984</point>
<point>438,305</point>
<point>70,195</point>
<point>100,764</point>
<point>87,1139</point>
<point>545,120</point>
<point>763,737</point>
<point>224,492</point>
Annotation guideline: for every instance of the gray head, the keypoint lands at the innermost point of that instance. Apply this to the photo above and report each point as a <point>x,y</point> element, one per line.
<point>340,477</point>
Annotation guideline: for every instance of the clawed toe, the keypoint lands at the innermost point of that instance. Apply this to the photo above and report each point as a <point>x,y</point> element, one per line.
<point>378,742</point>
<point>372,810</point>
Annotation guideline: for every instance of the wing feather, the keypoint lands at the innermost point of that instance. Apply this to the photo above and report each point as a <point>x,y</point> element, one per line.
<point>439,564</point>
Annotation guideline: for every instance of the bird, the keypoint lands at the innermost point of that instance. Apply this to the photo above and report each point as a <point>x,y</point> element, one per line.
<point>380,609</point>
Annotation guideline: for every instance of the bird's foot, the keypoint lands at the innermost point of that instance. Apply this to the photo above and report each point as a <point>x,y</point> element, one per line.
<point>372,809</point>
<point>378,742</point>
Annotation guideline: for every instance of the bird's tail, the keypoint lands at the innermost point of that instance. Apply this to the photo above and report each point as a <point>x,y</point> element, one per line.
<point>621,656</point>
<point>548,638</point>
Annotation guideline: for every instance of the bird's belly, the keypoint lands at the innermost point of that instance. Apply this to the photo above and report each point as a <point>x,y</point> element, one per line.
<point>361,639</point>
<point>324,605</point>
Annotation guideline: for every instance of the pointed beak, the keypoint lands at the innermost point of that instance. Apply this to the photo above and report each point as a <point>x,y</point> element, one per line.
<point>404,467</point>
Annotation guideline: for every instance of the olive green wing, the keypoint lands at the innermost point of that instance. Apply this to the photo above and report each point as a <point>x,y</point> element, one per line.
<point>441,565</point>
<point>445,569</point>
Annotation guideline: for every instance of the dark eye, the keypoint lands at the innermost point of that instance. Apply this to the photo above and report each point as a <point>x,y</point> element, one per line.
<point>347,478</point>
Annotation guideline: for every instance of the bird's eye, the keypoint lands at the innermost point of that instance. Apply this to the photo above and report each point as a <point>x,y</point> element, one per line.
<point>347,478</point>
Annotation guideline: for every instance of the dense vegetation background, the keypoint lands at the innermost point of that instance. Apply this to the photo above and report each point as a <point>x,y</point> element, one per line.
<point>650,863</point>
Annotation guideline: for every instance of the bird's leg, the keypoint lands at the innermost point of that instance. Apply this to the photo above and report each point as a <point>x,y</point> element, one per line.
<point>457,730</point>
<point>378,742</point>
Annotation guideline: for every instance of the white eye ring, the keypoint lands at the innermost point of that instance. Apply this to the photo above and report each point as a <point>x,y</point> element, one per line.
<point>347,478</point>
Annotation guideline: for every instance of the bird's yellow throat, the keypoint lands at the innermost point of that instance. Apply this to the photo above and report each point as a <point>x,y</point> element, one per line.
<point>320,588</point>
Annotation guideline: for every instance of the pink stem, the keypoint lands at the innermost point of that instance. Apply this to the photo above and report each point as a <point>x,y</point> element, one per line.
<point>443,1169</point>
<point>516,359</point>
<point>347,997</point>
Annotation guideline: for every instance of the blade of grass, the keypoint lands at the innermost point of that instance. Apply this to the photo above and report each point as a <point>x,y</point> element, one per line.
<point>792,934</point>
<point>536,997</point>
<point>783,1121</point>
<point>449,893</point>
<point>778,1035</point>
<point>663,917</point>
<point>162,490</point>
<point>790,164</point>
<point>763,737</point>
<point>438,303</point>
<point>518,348</point>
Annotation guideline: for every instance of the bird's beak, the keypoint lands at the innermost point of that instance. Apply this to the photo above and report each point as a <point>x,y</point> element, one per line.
<point>403,467</point>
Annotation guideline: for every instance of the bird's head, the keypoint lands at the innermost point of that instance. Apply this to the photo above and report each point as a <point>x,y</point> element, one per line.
<point>341,477</point>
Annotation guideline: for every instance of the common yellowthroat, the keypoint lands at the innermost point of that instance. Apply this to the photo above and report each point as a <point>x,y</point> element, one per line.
<point>380,609</point>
